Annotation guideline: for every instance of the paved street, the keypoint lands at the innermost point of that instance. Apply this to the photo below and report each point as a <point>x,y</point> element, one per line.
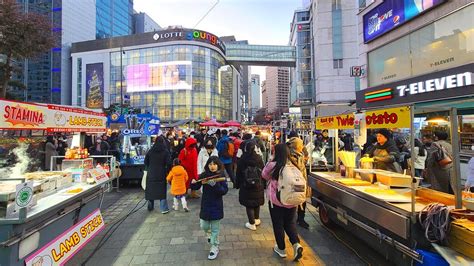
<point>175,238</point>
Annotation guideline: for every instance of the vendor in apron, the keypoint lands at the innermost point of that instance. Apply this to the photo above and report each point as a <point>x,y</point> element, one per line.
<point>385,152</point>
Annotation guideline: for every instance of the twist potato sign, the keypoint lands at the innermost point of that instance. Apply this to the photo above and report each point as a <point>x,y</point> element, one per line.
<point>387,118</point>
<point>65,246</point>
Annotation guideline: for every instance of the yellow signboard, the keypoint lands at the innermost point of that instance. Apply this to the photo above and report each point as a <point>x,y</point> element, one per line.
<point>398,117</point>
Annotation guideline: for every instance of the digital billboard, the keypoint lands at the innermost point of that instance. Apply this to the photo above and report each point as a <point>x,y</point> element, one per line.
<point>171,75</point>
<point>392,13</point>
<point>94,86</point>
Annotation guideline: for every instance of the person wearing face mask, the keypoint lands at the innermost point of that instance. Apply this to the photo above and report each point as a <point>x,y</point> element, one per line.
<point>208,150</point>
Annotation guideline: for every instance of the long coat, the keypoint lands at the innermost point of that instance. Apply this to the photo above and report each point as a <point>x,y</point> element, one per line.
<point>157,161</point>
<point>249,197</point>
<point>188,157</point>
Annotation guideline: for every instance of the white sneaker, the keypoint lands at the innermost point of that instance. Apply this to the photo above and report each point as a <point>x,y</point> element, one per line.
<point>213,253</point>
<point>281,253</point>
<point>175,208</point>
<point>251,226</point>
<point>297,251</point>
<point>257,222</point>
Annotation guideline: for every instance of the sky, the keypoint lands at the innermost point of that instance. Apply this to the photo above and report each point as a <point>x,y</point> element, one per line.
<point>258,21</point>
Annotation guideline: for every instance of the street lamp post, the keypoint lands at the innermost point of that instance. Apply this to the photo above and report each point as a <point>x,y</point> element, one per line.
<point>121,81</point>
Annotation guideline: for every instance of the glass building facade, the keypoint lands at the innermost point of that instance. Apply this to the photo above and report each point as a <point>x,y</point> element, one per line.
<point>42,75</point>
<point>174,82</point>
<point>114,18</point>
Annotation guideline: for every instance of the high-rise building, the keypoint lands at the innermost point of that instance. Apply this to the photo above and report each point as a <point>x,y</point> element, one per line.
<point>302,83</point>
<point>277,88</point>
<point>264,95</point>
<point>114,18</point>
<point>334,35</point>
<point>245,76</point>
<point>48,77</point>
<point>254,101</point>
<point>143,23</point>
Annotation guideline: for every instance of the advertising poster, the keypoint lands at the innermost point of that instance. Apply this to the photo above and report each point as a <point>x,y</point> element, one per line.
<point>172,75</point>
<point>391,14</point>
<point>95,86</point>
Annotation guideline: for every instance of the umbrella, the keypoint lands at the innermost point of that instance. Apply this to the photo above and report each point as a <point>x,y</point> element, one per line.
<point>232,123</point>
<point>211,123</point>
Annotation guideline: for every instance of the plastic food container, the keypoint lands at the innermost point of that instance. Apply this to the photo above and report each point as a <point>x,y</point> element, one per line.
<point>366,174</point>
<point>469,203</point>
<point>395,179</point>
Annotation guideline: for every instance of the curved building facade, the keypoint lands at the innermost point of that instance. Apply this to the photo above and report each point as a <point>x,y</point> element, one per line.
<point>175,74</point>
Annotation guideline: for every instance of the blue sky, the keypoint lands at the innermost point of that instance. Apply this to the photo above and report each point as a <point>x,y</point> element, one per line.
<point>258,21</point>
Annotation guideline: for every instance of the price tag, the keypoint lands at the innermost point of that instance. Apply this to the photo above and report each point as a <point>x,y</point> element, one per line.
<point>99,174</point>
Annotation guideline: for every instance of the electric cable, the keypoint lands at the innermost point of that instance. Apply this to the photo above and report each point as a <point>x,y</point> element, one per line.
<point>115,225</point>
<point>207,13</point>
<point>338,238</point>
<point>436,221</point>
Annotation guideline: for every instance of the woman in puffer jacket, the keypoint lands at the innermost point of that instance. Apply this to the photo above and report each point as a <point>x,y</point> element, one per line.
<point>208,150</point>
<point>189,157</point>
<point>283,216</point>
<point>250,183</point>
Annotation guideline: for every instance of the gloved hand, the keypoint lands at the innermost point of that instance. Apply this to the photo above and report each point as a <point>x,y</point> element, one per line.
<point>211,183</point>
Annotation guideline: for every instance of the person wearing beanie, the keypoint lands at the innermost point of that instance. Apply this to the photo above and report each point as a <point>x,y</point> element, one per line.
<point>385,152</point>
<point>298,158</point>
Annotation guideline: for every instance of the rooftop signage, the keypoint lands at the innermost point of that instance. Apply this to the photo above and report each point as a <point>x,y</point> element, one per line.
<point>393,13</point>
<point>190,35</point>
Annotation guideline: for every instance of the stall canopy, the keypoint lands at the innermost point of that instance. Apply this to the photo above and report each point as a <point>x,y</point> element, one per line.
<point>232,123</point>
<point>211,123</point>
<point>53,118</point>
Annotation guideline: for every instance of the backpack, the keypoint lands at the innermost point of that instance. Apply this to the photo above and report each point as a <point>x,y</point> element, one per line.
<point>291,186</point>
<point>252,177</point>
<point>228,150</point>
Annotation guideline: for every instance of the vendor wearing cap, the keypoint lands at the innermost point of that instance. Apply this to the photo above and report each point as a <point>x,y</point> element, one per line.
<point>385,152</point>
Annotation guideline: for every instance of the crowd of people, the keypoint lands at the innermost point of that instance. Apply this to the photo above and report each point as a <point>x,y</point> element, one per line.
<point>199,165</point>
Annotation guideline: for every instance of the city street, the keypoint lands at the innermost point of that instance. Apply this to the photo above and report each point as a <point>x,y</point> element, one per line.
<point>175,238</point>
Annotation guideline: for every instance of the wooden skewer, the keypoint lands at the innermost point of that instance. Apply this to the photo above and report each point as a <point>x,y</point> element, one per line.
<point>207,178</point>
<point>218,179</point>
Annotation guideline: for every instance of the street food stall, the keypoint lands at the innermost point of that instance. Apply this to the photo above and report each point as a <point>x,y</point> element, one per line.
<point>48,216</point>
<point>135,136</point>
<point>384,208</point>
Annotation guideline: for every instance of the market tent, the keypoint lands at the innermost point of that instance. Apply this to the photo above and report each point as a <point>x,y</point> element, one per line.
<point>211,123</point>
<point>232,123</point>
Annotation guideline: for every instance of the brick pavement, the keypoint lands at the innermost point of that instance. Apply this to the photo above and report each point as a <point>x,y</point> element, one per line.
<point>176,239</point>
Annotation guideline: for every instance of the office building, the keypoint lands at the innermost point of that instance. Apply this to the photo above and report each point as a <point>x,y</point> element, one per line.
<point>277,85</point>
<point>302,83</point>
<point>334,35</point>
<point>254,101</point>
<point>114,18</point>
<point>143,23</point>
<point>264,95</point>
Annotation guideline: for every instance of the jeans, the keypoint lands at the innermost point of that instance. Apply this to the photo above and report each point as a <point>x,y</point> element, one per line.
<point>252,214</point>
<point>284,220</point>
<point>230,172</point>
<point>163,205</point>
<point>211,228</point>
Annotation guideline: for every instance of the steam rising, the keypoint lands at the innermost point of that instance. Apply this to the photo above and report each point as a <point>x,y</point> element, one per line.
<point>22,162</point>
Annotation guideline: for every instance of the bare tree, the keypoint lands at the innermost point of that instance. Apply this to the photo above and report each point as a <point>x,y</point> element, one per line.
<point>22,35</point>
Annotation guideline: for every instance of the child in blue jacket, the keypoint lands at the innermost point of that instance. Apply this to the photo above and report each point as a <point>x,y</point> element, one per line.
<point>212,205</point>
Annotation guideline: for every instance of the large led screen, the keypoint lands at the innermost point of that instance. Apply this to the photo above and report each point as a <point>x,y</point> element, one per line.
<point>171,75</point>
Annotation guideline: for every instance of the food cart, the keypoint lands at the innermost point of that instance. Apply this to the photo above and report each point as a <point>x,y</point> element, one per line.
<point>46,217</point>
<point>135,136</point>
<point>385,217</point>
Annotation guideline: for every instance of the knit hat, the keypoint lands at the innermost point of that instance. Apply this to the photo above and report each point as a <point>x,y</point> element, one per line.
<point>385,132</point>
<point>293,142</point>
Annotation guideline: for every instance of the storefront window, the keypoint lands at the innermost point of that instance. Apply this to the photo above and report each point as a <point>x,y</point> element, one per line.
<point>173,104</point>
<point>444,44</point>
<point>467,134</point>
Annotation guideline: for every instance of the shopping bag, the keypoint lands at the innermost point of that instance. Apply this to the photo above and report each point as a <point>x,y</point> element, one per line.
<point>144,179</point>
